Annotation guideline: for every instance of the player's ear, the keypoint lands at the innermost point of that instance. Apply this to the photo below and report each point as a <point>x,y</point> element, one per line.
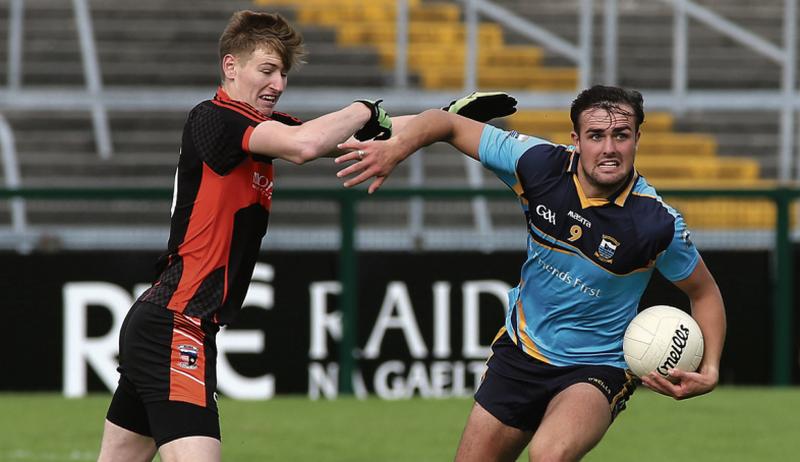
<point>575,141</point>
<point>229,66</point>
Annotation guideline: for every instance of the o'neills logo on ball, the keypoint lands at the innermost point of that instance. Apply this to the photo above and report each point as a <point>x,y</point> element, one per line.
<point>678,343</point>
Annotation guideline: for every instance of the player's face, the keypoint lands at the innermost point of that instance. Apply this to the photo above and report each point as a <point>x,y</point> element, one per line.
<point>607,145</point>
<point>258,79</point>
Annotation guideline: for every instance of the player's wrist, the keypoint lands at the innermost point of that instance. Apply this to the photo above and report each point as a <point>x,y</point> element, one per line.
<point>364,111</point>
<point>378,126</point>
<point>710,371</point>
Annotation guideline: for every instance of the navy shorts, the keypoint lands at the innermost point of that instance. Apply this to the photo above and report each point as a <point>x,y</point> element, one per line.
<point>517,387</point>
<point>167,366</point>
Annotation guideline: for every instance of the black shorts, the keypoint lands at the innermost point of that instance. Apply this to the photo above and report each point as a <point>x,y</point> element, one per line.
<point>517,387</point>
<point>167,366</point>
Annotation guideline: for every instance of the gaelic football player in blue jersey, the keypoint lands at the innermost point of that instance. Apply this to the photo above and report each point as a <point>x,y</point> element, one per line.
<point>557,378</point>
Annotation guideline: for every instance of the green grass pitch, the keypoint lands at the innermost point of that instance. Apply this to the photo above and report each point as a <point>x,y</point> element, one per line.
<point>731,425</point>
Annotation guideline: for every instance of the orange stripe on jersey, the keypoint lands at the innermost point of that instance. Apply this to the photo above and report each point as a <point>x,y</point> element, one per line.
<point>246,139</point>
<point>529,347</point>
<point>201,252</point>
<point>491,351</point>
<point>222,99</point>
<point>187,365</point>
<point>499,334</point>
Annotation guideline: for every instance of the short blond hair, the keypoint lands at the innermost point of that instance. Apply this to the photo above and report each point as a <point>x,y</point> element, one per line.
<point>248,30</point>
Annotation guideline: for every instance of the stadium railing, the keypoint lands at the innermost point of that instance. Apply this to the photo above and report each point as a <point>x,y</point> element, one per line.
<point>778,241</point>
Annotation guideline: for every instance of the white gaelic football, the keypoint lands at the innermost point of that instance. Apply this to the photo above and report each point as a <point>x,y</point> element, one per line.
<point>661,338</point>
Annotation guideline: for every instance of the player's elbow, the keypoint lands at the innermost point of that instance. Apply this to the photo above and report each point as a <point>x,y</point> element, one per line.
<point>306,153</point>
<point>310,147</point>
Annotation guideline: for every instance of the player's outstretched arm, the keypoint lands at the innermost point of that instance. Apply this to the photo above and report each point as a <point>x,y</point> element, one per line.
<point>480,106</point>
<point>377,159</point>
<point>319,137</point>
<point>708,310</point>
<point>483,106</point>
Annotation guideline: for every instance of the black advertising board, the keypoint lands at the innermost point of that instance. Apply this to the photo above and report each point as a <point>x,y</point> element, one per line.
<point>425,320</point>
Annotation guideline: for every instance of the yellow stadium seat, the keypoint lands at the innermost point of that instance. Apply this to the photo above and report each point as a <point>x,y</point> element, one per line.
<point>439,33</point>
<point>421,55</point>
<point>697,168</point>
<point>710,183</point>
<point>725,213</point>
<point>686,145</point>
<point>333,3</point>
<point>436,53</point>
<point>556,120</point>
<point>500,78</point>
<point>333,15</point>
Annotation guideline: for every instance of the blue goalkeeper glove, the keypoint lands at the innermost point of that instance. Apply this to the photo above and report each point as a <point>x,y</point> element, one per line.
<point>483,106</point>
<point>379,125</point>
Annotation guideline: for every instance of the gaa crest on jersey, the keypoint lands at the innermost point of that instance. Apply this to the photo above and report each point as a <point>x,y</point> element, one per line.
<point>188,356</point>
<point>606,249</point>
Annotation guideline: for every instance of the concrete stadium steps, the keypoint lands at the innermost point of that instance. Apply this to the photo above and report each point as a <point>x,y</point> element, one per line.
<point>59,212</point>
<point>645,42</point>
<point>435,33</point>
<point>160,50</point>
<point>536,78</point>
<point>141,43</point>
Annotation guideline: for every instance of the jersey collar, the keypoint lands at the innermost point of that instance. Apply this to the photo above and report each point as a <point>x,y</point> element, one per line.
<point>223,96</point>
<point>618,198</point>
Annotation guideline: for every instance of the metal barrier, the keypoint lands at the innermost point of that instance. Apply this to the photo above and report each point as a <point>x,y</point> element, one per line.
<point>99,99</point>
<point>13,181</point>
<point>91,69</point>
<point>94,79</point>
<point>785,56</point>
<point>782,250</point>
<point>581,54</point>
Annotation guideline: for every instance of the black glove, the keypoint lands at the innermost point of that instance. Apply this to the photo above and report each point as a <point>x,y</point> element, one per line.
<point>379,126</point>
<point>483,106</point>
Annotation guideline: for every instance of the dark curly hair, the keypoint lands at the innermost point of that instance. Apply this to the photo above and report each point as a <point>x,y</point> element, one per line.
<point>609,98</point>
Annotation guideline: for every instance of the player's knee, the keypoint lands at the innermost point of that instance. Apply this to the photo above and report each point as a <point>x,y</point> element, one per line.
<point>553,451</point>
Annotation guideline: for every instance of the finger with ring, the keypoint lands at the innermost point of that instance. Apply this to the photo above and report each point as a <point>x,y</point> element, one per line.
<point>361,154</point>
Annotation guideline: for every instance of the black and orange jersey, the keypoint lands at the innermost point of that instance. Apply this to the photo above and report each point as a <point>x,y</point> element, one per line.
<point>220,211</point>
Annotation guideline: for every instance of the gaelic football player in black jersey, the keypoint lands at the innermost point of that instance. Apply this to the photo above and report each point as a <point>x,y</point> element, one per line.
<point>223,191</point>
<point>165,400</point>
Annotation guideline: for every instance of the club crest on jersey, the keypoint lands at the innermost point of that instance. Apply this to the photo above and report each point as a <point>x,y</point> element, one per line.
<point>605,251</point>
<point>188,356</point>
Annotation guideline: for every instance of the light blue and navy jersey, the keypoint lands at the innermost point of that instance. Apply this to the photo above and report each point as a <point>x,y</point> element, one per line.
<point>589,260</point>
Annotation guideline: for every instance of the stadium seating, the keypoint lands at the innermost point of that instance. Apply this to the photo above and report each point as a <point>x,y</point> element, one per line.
<point>436,38</point>
<point>142,45</point>
<point>436,54</point>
